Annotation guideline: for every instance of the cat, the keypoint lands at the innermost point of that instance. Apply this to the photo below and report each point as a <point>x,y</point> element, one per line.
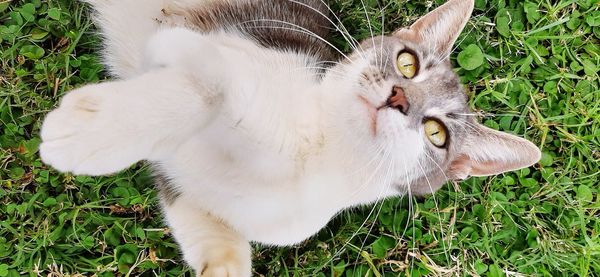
<point>259,132</point>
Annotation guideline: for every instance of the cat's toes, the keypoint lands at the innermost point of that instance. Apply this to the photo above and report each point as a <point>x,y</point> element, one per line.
<point>224,269</point>
<point>73,154</point>
<point>78,137</point>
<point>225,261</point>
<point>218,271</point>
<point>75,112</point>
<point>62,130</point>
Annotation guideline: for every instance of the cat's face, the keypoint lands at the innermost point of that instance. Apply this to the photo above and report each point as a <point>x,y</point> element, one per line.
<point>410,108</point>
<point>417,108</point>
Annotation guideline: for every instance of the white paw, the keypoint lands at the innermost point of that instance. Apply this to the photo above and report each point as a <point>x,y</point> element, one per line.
<point>173,46</point>
<point>220,258</point>
<point>83,135</point>
<point>213,270</point>
<point>184,48</point>
<point>226,267</point>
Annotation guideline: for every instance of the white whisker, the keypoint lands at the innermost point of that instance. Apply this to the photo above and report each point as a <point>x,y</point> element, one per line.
<point>369,24</point>
<point>437,208</point>
<point>338,252</point>
<point>379,201</point>
<point>300,30</point>
<point>346,35</point>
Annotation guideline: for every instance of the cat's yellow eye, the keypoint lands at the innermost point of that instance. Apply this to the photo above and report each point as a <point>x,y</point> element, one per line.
<point>436,133</point>
<point>407,65</point>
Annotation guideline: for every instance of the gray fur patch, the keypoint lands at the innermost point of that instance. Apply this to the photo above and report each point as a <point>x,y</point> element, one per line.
<point>167,190</point>
<point>288,25</point>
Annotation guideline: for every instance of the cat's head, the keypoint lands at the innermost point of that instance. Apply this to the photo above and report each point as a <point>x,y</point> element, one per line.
<point>408,107</point>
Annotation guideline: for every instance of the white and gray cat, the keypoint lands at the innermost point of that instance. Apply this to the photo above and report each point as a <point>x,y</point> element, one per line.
<point>252,138</point>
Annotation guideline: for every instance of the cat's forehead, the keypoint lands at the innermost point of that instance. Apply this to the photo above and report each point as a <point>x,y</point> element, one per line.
<point>435,77</point>
<point>438,96</point>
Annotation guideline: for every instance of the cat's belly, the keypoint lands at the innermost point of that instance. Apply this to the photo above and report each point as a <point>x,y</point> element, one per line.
<point>269,196</point>
<point>273,214</point>
<point>277,219</point>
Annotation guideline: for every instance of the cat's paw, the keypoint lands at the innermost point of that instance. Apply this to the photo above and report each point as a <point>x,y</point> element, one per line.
<point>222,269</point>
<point>226,260</point>
<point>83,135</point>
<point>227,267</point>
<point>182,48</point>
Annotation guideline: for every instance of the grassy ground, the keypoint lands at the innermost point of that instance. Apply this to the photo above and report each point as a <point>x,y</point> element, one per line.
<point>532,69</point>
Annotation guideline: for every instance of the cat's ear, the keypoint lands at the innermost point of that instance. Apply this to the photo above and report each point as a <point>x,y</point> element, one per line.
<point>440,28</point>
<point>489,152</point>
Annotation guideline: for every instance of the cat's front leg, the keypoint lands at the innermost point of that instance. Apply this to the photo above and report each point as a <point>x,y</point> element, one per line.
<point>104,128</point>
<point>210,246</point>
<point>188,49</point>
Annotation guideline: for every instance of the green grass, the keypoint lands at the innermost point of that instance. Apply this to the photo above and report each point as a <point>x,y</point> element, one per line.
<point>532,69</point>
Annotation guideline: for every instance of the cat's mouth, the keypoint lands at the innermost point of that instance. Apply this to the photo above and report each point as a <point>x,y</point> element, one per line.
<point>372,110</point>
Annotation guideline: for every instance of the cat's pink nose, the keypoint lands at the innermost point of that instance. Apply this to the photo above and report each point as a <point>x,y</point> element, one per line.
<point>398,100</point>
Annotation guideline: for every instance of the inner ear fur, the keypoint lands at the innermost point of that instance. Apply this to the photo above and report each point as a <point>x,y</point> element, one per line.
<point>490,152</point>
<point>440,28</point>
